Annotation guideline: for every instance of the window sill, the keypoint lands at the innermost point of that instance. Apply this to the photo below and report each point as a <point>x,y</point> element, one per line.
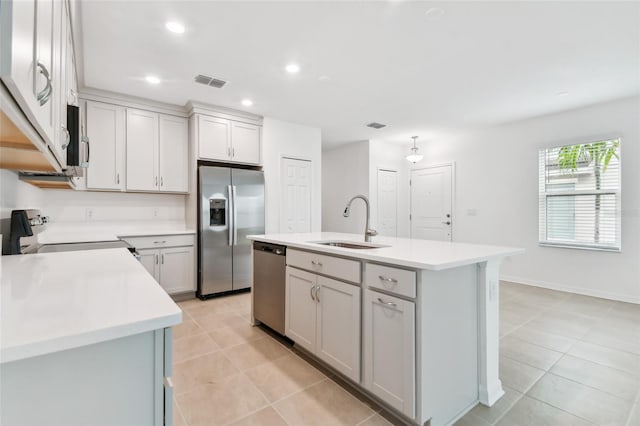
<point>580,246</point>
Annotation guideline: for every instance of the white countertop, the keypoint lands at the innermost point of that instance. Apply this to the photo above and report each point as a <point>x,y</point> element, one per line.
<point>56,301</point>
<point>82,232</point>
<point>419,254</point>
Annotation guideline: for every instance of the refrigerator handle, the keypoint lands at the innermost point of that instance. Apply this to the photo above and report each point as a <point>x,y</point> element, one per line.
<point>235,218</point>
<point>230,211</point>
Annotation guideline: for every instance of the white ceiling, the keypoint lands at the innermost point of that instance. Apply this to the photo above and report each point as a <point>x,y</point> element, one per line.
<point>479,64</point>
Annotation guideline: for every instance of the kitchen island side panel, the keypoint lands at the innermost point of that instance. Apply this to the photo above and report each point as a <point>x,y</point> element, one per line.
<point>107,383</point>
<point>447,343</point>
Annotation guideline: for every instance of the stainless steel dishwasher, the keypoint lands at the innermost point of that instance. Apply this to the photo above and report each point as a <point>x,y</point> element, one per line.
<point>269,284</point>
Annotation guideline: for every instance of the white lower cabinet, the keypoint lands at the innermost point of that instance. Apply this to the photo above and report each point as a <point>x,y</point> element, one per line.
<point>170,259</point>
<point>323,317</point>
<point>389,350</point>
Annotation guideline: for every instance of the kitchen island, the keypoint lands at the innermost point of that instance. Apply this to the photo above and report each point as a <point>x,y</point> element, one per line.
<point>85,339</point>
<point>413,323</point>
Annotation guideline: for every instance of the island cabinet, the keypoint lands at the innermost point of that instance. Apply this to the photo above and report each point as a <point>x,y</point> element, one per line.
<point>323,315</point>
<point>389,340</point>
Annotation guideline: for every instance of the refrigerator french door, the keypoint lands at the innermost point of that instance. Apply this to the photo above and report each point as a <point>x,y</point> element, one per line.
<point>231,207</point>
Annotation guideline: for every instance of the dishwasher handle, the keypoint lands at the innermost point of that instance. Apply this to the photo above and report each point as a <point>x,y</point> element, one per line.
<point>270,248</point>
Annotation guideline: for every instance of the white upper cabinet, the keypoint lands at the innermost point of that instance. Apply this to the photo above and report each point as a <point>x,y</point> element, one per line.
<point>214,136</point>
<point>245,143</point>
<point>221,139</point>
<point>105,125</point>
<point>142,150</point>
<point>174,154</point>
<point>30,67</point>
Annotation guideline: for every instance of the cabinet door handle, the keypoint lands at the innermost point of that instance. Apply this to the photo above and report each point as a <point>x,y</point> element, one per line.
<point>314,263</point>
<point>163,258</point>
<point>387,279</point>
<point>155,182</point>
<point>44,95</point>
<point>118,178</point>
<point>233,152</point>
<point>228,152</point>
<point>161,181</point>
<point>67,137</point>
<point>156,259</point>
<point>317,294</point>
<point>387,303</point>
<point>311,289</point>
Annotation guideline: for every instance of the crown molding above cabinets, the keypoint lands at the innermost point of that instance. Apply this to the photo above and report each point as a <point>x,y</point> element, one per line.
<point>127,101</point>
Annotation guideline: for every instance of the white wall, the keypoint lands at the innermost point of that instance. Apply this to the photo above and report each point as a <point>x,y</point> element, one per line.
<point>497,176</point>
<point>345,173</point>
<point>283,139</point>
<point>390,156</point>
<point>15,194</point>
<point>74,206</point>
<point>71,206</point>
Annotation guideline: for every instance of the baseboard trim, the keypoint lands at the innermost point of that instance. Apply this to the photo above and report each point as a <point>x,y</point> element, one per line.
<point>571,289</point>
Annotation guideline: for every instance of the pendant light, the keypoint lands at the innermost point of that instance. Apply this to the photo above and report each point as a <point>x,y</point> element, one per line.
<point>414,157</point>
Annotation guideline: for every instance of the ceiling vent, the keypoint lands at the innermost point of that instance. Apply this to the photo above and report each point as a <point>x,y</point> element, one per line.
<point>375,125</point>
<point>210,81</point>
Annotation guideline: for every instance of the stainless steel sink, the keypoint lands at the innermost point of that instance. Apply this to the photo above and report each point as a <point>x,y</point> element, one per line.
<point>350,244</point>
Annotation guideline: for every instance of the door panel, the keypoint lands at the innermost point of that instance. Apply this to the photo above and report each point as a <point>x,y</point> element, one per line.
<point>300,318</point>
<point>338,330</point>
<point>296,196</point>
<point>387,203</point>
<point>174,154</point>
<point>214,138</point>
<point>142,150</point>
<point>215,247</point>
<point>245,143</point>
<point>431,203</point>
<point>248,220</point>
<point>389,350</point>
<point>150,260</point>
<point>176,269</point>
<point>106,132</point>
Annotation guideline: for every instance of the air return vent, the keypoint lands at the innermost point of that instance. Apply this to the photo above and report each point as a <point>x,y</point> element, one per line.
<point>209,81</point>
<point>375,125</point>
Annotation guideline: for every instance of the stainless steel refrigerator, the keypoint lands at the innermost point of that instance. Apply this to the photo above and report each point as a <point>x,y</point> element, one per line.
<point>231,205</point>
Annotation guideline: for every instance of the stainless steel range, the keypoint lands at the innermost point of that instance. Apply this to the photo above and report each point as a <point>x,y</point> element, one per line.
<point>27,224</point>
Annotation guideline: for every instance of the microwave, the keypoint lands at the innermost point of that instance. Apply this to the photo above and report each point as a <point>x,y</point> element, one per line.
<point>78,144</point>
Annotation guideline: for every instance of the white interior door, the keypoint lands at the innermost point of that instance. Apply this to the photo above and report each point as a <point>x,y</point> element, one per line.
<point>295,212</point>
<point>387,202</point>
<point>431,211</point>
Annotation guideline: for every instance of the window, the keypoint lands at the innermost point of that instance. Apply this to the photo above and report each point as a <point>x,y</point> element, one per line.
<point>580,195</point>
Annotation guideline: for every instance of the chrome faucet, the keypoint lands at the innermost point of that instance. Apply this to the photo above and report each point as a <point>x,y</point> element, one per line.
<point>368,233</point>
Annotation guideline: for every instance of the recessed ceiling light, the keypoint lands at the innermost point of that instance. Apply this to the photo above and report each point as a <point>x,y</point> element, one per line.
<point>434,13</point>
<point>247,102</point>
<point>152,79</point>
<point>293,68</point>
<point>175,27</point>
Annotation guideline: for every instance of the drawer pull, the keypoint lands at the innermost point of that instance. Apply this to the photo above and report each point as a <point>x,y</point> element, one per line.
<point>387,303</point>
<point>387,279</point>
<point>159,242</point>
<point>314,263</point>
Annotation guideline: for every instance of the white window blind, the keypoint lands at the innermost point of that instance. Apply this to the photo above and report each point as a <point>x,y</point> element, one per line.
<point>579,190</point>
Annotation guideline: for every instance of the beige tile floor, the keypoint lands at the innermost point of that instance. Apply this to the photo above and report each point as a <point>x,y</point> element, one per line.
<point>565,360</point>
